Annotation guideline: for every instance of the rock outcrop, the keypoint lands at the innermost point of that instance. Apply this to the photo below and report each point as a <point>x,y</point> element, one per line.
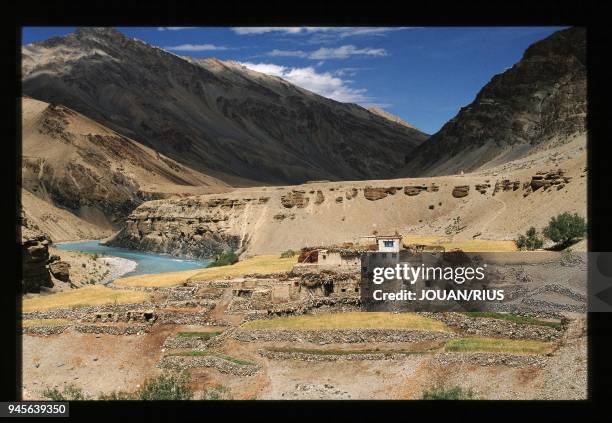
<point>461,191</point>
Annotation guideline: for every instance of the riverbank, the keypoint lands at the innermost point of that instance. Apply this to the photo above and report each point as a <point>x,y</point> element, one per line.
<point>117,267</point>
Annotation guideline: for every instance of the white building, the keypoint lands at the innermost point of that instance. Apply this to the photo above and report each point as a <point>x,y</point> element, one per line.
<point>389,243</point>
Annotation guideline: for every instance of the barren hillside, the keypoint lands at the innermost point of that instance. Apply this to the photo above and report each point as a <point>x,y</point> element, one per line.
<point>216,117</point>
<point>483,205</point>
<point>75,170</point>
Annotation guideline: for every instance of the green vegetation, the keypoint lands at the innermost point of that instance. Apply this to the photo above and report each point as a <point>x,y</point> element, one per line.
<point>70,392</point>
<point>350,320</point>
<point>520,320</point>
<point>216,393</point>
<point>530,241</point>
<point>167,386</point>
<point>226,258</point>
<point>203,335</point>
<point>197,353</point>
<point>450,393</point>
<point>287,254</point>
<point>565,229</point>
<point>497,345</point>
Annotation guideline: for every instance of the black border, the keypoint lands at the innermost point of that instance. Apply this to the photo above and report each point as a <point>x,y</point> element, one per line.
<point>232,12</point>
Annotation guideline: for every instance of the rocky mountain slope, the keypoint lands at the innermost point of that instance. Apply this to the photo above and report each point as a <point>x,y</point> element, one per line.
<point>81,179</point>
<point>389,116</point>
<point>480,205</point>
<point>538,103</point>
<point>216,117</point>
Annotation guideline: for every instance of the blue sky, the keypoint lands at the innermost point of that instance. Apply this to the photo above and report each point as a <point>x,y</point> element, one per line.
<point>424,75</point>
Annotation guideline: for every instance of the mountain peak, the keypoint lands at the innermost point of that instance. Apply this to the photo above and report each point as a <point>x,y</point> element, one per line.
<point>389,116</point>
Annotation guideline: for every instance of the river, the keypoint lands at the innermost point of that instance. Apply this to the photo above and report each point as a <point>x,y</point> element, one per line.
<point>146,263</point>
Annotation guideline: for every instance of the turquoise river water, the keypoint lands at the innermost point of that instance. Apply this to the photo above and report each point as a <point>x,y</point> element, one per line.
<point>147,263</point>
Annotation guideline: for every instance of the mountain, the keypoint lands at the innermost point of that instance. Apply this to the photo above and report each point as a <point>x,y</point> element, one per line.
<point>215,117</point>
<point>538,103</point>
<point>389,116</point>
<point>80,179</point>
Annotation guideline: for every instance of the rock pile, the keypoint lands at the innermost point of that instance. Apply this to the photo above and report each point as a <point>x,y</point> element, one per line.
<point>461,191</point>
<point>373,194</point>
<point>490,359</point>
<point>547,179</point>
<point>342,336</point>
<point>295,198</point>
<point>175,362</point>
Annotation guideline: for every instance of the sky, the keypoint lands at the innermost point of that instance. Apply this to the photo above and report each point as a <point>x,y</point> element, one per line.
<point>422,74</point>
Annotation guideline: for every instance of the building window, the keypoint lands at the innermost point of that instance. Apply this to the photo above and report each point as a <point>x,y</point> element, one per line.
<point>384,255</point>
<point>388,244</point>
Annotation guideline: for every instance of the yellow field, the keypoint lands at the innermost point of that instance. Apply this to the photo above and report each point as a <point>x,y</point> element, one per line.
<point>258,264</point>
<point>88,296</point>
<point>350,320</point>
<point>45,322</point>
<point>514,346</point>
<point>468,245</point>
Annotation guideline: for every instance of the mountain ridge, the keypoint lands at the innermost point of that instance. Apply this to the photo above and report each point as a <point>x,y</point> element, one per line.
<point>539,102</point>
<point>234,124</point>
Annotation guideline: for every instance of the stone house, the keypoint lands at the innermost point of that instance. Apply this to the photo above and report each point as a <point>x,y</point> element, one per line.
<point>389,243</point>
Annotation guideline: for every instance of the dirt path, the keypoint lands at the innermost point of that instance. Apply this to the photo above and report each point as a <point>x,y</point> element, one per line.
<point>219,312</point>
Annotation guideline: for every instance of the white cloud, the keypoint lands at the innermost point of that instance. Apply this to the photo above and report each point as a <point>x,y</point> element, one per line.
<point>196,47</point>
<point>325,84</point>
<point>172,28</point>
<point>342,31</point>
<point>345,51</point>
<point>287,53</point>
<point>325,53</point>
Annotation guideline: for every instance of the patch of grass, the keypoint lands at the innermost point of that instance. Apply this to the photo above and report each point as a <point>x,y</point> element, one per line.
<point>350,320</point>
<point>204,335</point>
<point>167,386</point>
<point>45,322</point>
<point>521,320</point>
<point>196,353</point>
<point>216,393</point>
<point>288,254</point>
<point>497,345</point>
<point>257,264</point>
<point>69,392</point>
<point>87,296</point>
<point>450,393</point>
<point>226,258</point>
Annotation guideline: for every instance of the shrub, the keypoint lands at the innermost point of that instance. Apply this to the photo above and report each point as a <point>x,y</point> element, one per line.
<point>167,386</point>
<point>451,393</point>
<point>287,254</point>
<point>565,229</point>
<point>216,393</point>
<point>70,392</point>
<point>530,241</point>
<point>226,258</point>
